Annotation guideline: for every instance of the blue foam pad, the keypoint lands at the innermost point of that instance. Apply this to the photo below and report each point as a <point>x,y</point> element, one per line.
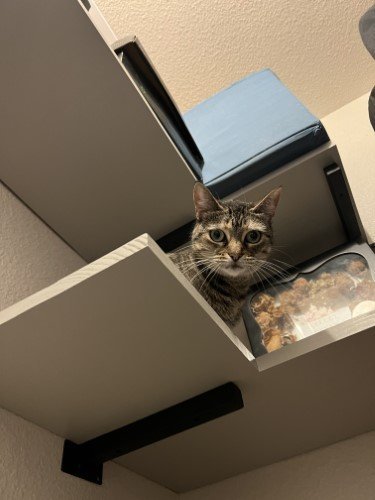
<point>250,129</point>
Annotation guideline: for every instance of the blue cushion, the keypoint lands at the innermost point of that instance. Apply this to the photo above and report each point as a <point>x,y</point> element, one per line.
<point>250,129</point>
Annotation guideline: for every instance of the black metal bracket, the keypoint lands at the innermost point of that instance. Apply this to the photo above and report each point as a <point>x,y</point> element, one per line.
<point>340,194</point>
<point>76,463</point>
<point>144,75</point>
<point>86,460</point>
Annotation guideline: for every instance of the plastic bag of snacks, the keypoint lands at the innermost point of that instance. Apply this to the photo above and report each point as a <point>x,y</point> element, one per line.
<point>340,289</point>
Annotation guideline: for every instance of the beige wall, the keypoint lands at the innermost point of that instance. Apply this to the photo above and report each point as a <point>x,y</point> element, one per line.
<point>32,257</point>
<point>344,471</point>
<point>201,46</point>
<point>30,469</point>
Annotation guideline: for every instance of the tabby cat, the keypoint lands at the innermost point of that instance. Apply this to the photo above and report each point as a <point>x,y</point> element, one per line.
<point>231,241</point>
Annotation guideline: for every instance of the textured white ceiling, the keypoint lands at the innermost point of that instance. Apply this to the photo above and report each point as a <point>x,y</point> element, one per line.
<point>201,46</point>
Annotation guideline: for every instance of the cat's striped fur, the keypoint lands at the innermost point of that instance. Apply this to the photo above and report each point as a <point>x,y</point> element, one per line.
<point>222,270</point>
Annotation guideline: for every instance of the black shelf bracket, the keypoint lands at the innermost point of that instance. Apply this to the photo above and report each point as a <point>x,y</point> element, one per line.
<point>341,197</point>
<point>86,460</point>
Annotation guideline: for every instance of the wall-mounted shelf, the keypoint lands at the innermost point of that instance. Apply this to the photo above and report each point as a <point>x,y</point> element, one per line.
<point>127,336</point>
<point>83,150</point>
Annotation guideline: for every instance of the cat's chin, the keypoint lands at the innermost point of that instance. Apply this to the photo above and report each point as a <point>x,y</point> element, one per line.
<point>233,271</point>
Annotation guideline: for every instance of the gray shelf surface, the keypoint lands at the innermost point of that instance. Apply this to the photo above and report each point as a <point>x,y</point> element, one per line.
<point>128,335</point>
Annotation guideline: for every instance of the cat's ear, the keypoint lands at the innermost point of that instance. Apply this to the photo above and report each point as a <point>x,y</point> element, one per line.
<point>269,203</point>
<point>204,201</point>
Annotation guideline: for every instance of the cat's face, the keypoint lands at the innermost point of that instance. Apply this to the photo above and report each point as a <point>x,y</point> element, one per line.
<point>232,238</point>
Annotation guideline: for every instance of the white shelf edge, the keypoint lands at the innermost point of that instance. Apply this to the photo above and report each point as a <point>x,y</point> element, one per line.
<point>103,264</point>
<point>317,341</point>
<point>74,278</point>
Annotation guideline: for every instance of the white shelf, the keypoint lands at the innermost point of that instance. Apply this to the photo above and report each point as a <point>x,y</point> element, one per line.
<point>78,142</point>
<point>111,343</point>
<point>127,336</point>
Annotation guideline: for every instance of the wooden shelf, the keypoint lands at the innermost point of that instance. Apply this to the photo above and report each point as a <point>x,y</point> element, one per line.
<point>127,336</point>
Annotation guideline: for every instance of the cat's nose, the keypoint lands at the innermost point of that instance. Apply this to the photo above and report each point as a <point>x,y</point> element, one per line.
<point>235,257</point>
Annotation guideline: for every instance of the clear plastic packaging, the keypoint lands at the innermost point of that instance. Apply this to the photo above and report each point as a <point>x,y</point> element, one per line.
<point>340,289</point>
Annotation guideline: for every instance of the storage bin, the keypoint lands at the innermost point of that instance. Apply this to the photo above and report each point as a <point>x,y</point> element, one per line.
<point>318,296</point>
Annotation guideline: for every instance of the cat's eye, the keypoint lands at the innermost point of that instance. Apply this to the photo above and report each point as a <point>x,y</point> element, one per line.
<point>217,235</point>
<point>253,237</point>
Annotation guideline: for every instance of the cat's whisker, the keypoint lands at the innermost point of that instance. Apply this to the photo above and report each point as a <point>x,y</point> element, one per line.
<point>289,264</point>
<point>268,278</point>
<point>274,265</point>
<point>277,273</point>
<point>289,256</point>
<point>203,265</point>
<point>183,248</point>
<point>210,268</point>
<point>264,269</point>
<point>271,281</point>
<point>260,281</point>
<point>272,276</point>
<point>208,276</point>
<point>211,276</point>
<point>264,277</point>
<point>201,271</point>
<point>275,268</point>
<point>193,262</point>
